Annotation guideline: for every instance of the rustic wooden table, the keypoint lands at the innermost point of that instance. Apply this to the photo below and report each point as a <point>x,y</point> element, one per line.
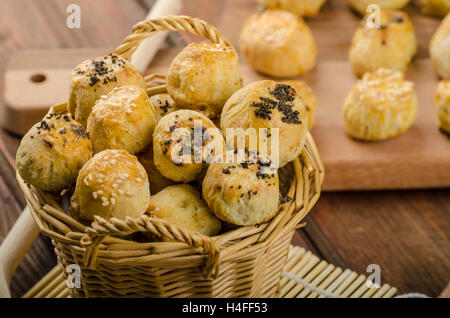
<point>405,232</point>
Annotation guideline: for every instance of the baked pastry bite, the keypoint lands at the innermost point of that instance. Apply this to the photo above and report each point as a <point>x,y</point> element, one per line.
<point>278,43</point>
<point>183,142</point>
<point>380,106</point>
<point>94,78</point>
<point>53,151</point>
<point>440,49</point>
<point>391,46</point>
<point>112,184</point>
<point>123,119</point>
<point>241,193</point>
<point>438,8</point>
<point>274,110</point>
<point>442,104</point>
<point>361,5</point>
<point>306,8</point>
<point>182,205</point>
<point>308,98</point>
<point>156,179</point>
<point>203,76</point>
<point>163,104</point>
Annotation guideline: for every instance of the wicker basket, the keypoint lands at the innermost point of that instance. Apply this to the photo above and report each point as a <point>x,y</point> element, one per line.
<point>245,262</point>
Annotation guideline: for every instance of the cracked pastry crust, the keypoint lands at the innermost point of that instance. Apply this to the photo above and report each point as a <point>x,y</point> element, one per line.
<point>112,184</point>
<point>52,152</point>
<point>380,106</point>
<point>306,8</point>
<point>94,78</point>
<point>182,205</point>
<point>203,76</point>
<point>264,105</point>
<point>123,119</point>
<point>241,193</point>
<point>390,46</point>
<point>440,49</point>
<point>361,5</point>
<point>442,104</point>
<point>278,43</point>
<point>180,151</point>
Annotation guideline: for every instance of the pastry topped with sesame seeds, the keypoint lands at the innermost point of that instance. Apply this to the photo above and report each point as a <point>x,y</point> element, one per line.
<point>123,119</point>
<point>392,44</point>
<point>183,143</point>
<point>112,184</point>
<point>242,193</point>
<point>203,76</point>
<point>273,109</point>
<point>382,105</point>
<point>52,152</point>
<point>182,205</point>
<point>94,78</point>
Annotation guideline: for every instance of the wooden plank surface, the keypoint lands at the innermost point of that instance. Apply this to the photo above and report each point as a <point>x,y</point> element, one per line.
<point>420,158</point>
<point>405,232</point>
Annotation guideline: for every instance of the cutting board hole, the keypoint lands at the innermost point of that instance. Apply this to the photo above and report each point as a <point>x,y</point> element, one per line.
<point>38,78</point>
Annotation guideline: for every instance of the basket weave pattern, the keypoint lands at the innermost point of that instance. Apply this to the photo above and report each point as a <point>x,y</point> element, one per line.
<point>244,262</point>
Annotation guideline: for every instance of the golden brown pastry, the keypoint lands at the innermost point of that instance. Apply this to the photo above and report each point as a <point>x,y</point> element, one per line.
<point>182,205</point>
<point>268,105</point>
<point>241,193</point>
<point>123,119</point>
<point>438,8</point>
<point>440,49</point>
<point>94,78</point>
<point>382,105</point>
<point>391,46</point>
<point>442,103</point>
<point>278,43</point>
<point>203,76</point>
<point>163,104</point>
<point>308,98</point>
<point>181,150</point>
<point>361,5</point>
<point>307,8</point>
<point>112,184</point>
<point>157,180</point>
<point>52,153</point>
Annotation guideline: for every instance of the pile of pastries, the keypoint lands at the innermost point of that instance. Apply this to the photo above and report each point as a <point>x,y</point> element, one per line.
<point>277,42</point>
<point>120,153</point>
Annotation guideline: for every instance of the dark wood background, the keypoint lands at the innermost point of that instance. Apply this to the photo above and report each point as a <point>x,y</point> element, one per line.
<point>405,232</point>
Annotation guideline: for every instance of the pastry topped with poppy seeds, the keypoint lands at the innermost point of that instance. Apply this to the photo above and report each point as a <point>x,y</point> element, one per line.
<point>390,45</point>
<point>94,78</point>
<point>52,152</point>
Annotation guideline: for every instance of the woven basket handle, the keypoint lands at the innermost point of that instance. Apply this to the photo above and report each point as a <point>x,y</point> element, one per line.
<point>147,28</point>
<point>101,228</point>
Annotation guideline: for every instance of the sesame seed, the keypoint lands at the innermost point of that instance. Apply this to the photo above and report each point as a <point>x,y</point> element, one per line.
<point>100,192</point>
<point>139,179</point>
<point>95,195</point>
<point>115,185</point>
<point>121,192</point>
<point>113,201</point>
